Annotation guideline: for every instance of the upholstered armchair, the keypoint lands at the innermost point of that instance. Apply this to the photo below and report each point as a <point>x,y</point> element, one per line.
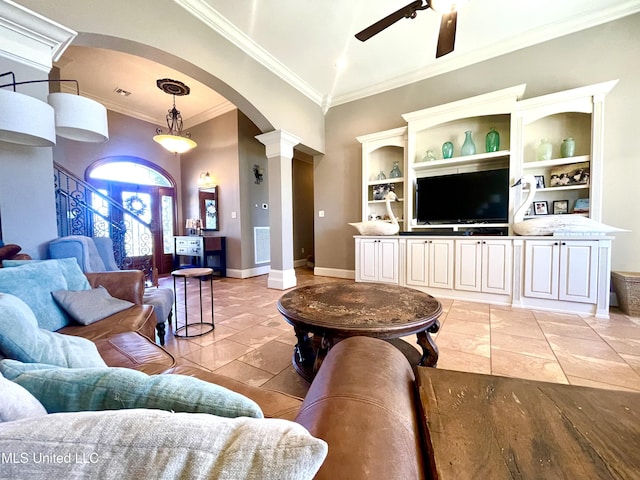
<point>95,254</point>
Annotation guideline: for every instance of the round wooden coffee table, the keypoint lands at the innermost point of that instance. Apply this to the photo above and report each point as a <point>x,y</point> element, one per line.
<point>334,311</point>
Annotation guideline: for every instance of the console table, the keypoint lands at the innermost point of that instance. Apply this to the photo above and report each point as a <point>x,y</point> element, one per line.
<point>198,249</point>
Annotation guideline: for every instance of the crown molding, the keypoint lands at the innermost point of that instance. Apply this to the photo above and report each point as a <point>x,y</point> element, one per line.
<point>209,16</point>
<point>31,39</point>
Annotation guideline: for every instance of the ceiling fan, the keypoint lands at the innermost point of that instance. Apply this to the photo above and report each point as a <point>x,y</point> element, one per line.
<point>447,35</point>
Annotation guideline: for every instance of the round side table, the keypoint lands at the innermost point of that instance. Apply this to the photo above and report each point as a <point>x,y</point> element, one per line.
<point>201,327</point>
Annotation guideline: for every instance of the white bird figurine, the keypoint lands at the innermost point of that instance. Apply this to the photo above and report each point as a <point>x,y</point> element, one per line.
<point>550,224</point>
<point>380,227</point>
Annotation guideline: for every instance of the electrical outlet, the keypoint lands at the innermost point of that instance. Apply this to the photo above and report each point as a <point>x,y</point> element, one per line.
<point>321,213</point>
<point>302,249</point>
<point>233,214</point>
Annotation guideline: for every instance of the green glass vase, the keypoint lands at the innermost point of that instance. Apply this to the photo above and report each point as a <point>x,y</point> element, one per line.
<point>447,150</point>
<point>492,141</point>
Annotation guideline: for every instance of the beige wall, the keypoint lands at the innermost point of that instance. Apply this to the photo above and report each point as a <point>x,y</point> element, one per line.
<point>599,54</point>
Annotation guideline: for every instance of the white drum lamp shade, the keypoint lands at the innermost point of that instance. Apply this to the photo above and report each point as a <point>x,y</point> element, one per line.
<point>79,118</point>
<point>25,120</point>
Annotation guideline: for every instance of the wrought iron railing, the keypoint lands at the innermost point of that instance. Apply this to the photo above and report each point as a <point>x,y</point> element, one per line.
<point>82,209</point>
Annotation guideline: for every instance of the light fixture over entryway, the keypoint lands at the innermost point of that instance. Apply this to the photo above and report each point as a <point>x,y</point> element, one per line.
<point>174,141</point>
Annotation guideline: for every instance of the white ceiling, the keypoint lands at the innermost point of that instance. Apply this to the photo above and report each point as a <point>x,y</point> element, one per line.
<point>303,40</point>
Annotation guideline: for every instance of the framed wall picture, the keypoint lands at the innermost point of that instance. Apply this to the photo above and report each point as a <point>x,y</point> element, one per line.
<point>539,181</point>
<point>571,174</point>
<point>560,207</point>
<point>209,207</point>
<point>541,208</point>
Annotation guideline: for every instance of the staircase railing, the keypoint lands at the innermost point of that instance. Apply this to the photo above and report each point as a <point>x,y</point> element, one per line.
<point>82,209</point>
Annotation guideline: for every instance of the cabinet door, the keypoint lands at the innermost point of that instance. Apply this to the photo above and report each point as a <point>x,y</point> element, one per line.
<point>496,266</point>
<point>542,260</point>
<point>388,261</point>
<point>578,271</point>
<point>468,265</point>
<point>417,263</point>
<point>440,271</point>
<point>368,261</point>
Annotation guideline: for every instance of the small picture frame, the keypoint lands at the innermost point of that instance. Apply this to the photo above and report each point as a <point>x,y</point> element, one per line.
<point>560,207</point>
<point>539,181</point>
<point>541,207</point>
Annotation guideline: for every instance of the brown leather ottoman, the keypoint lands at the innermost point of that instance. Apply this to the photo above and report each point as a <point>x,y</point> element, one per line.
<point>135,351</point>
<point>273,404</point>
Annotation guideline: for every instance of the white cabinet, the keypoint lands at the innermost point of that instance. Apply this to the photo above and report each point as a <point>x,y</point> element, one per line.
<point>429,263</point>
<point>377,260</point>
<point>484,266</point>
<point>563,270</point>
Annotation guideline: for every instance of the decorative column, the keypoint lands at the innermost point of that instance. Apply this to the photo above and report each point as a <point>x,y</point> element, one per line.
<point>279,150</point>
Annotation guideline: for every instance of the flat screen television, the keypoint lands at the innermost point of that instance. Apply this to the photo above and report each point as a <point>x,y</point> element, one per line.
<point>475,197</point>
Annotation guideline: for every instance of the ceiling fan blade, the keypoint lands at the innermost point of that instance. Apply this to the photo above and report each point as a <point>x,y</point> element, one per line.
<point>447,35</point>
<point>408,11</point>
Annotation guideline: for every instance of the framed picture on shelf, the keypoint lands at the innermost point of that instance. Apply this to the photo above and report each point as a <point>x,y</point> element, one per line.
<point>539,181</point>
<point>570,174</point>
<point>541,207</point>
<point>380,191</point>
<point>581,206</point>
<point>560,207</point>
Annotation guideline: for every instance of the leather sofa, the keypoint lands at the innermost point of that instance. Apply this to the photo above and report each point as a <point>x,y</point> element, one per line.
<point>369,420</point>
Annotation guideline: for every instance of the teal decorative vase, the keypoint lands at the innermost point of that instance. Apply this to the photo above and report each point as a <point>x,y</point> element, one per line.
<point>545,150</point>
<point>568,147</point>
<point>447,150</point>
<point>492,141</point>
<point>395,171</point>
<point>381,176</point>
<point>468,147</point>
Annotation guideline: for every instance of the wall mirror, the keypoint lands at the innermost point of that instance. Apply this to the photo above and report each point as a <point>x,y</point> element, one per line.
<point>208,198</point>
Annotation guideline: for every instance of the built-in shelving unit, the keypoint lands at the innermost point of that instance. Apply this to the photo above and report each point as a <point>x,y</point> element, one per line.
<point>554,273</point>
<point>380,151</point>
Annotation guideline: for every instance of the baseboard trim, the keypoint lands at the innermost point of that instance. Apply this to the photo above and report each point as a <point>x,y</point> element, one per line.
<point>334,272</point>
<point>300,263</point>
<point>249,272</point>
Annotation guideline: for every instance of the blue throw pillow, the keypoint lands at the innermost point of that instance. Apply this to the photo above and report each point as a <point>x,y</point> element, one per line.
<point>33,283</point>
<point>21,339</point>
<point>76,280</point>
<point>81,389</point>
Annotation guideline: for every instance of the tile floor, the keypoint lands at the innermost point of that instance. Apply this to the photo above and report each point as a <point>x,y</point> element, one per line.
<point>253,344</point>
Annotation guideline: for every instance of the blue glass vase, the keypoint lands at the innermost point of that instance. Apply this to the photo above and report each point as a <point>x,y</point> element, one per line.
<point>468,147</point>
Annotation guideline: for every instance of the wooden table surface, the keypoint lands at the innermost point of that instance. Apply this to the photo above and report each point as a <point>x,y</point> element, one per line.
<point>334,311</point>
<point>489,427</point>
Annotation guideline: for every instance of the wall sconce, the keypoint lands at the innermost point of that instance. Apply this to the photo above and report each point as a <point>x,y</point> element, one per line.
<point>205,180</point>
<point>25,120</point>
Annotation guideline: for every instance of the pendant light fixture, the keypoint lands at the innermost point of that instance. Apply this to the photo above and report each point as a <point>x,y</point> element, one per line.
<point>26,120</point>
<point>174,141</point>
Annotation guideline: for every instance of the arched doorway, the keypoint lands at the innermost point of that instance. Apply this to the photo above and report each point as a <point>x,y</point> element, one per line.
<point>146,192</point>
